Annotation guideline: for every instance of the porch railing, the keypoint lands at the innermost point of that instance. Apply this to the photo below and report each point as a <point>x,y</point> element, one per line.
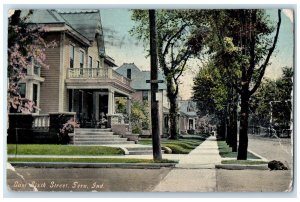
<point>41,121</point>
<point>96,73</point>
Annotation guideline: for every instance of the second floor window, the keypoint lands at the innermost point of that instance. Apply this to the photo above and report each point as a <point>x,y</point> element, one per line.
<point>129,73</point>
<point>145,95</point>
<point>22,88</point>
<point>90,62</point>
<point>71,56</point>
<point>98,64</point>
<point>81,62</point>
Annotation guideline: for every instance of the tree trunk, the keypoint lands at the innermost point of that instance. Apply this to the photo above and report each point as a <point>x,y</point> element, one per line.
<point>234,123</point>
<point>229,124</point>
<point>173,118</point>
<point>243,137</point>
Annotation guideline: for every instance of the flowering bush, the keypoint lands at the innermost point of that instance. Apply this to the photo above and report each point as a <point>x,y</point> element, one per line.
<point>67,128</point>
<point>25,46</point>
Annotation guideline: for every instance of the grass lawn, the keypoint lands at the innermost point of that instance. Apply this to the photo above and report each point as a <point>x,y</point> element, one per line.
<point>226,152</point>
<point>51,149</point>
<point>89,160</point>
<point>244,162</point>
<point>180,146</point>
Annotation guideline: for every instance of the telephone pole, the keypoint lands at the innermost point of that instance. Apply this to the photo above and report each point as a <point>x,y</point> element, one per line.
<point>154,89</point>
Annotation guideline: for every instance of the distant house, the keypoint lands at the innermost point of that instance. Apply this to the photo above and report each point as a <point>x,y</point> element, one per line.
<point>188,121</point>
<point>81,78</point>
<point>143,90</point>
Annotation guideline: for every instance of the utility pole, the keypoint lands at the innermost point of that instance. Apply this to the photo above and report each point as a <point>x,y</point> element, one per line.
<point>154,89</point>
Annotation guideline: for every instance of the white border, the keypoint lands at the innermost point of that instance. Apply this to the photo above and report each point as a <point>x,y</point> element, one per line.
<point>141,4</point>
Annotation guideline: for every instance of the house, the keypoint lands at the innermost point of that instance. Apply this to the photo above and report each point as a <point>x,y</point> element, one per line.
<point>188,119</point>
<point>143,91</point>
<point>81,77</point>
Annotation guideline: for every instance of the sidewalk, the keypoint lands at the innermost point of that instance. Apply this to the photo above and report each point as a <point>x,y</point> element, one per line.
<point>195,172</point>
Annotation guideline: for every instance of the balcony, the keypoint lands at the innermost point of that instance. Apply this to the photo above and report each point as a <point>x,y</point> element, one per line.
<point>93,77</point>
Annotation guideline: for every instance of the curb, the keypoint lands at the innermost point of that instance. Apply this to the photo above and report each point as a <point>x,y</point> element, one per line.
<point>126,152</point>
<point>92,165</point>
<point>259,156</point>
<point>242,167</point>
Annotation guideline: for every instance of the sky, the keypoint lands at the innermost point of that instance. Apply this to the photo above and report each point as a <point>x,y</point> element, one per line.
<point>125,48</point>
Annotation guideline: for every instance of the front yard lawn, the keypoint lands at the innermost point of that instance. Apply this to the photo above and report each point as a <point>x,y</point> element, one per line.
<point>89,160</point>
<point>243,162</point>
<point>51,149</point>
<point>180,146</point>
<point>226,152</point>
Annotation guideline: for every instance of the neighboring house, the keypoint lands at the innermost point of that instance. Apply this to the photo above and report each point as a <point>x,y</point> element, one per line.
<point>81,78</point>
<point>143,90</point>
<point>188,120</point>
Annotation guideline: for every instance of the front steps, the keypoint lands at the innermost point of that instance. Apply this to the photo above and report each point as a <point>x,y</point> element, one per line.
<point>93,136</point>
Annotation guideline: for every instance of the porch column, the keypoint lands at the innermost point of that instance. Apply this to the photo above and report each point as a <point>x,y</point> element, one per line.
<point>129,113</point>
<point>194,124</point>
<point>111,101</point>
<point>129,106</point>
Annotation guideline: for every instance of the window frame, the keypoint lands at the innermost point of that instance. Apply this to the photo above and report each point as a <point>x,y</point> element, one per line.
<point>129,73</point>
<point>72,47</point>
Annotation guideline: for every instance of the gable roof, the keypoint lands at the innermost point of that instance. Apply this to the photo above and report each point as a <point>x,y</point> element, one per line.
<point>139,77</point>
<point>87,22</point>
<point>188,107</point>
<point>43,16</point>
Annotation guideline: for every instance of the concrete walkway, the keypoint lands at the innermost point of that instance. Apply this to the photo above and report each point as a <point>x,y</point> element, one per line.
<point>195,172</point>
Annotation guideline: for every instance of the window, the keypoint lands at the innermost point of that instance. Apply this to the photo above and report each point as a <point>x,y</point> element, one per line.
<point>145,95</point>
<point>98,64</point>
<point>166,122</point>
<point>22,87</point>
<point>129,73</point>
<point>35,95</point>
<point>36,70</point>
<point>81,62</point>
<point>90,62</point>
<point>71,56</point>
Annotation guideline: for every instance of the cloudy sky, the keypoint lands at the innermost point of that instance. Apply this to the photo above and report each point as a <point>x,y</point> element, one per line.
<point>125,48</point>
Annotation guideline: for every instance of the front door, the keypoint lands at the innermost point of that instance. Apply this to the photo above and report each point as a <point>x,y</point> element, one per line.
<point>191,124</point>
<point>103,105</point>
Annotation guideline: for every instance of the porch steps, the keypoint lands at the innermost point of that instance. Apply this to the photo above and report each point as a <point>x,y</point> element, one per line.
<point>94,136</point>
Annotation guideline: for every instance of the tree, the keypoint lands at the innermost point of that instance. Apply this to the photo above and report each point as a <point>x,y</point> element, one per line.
<point>139,116</point>
<point>25,47</point>
<point>210,94</point>
<point>178,40</point>
<point>245,36</point>
<point>273,97</point>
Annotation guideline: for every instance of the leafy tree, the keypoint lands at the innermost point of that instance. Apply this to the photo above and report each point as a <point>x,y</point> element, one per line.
<point>121,104</point>
<point>25,46</point>
<point>178,40</point>
<point>246,37</point>
<point>139,116</point>
<point>275,94</point>
<point>211,95</point>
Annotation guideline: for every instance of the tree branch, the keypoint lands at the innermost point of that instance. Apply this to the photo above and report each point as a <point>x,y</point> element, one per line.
<point>171,38</point>
<point>252,47</point>
<point>265,64</point>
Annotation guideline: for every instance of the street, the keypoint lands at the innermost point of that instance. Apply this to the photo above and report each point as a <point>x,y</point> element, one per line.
<point>260,180</point>
<point>191,177</point>
<point>84,179</point>
<point>272,148</point>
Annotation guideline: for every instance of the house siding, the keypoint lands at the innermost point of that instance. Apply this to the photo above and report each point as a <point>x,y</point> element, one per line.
<point>49,90</point>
